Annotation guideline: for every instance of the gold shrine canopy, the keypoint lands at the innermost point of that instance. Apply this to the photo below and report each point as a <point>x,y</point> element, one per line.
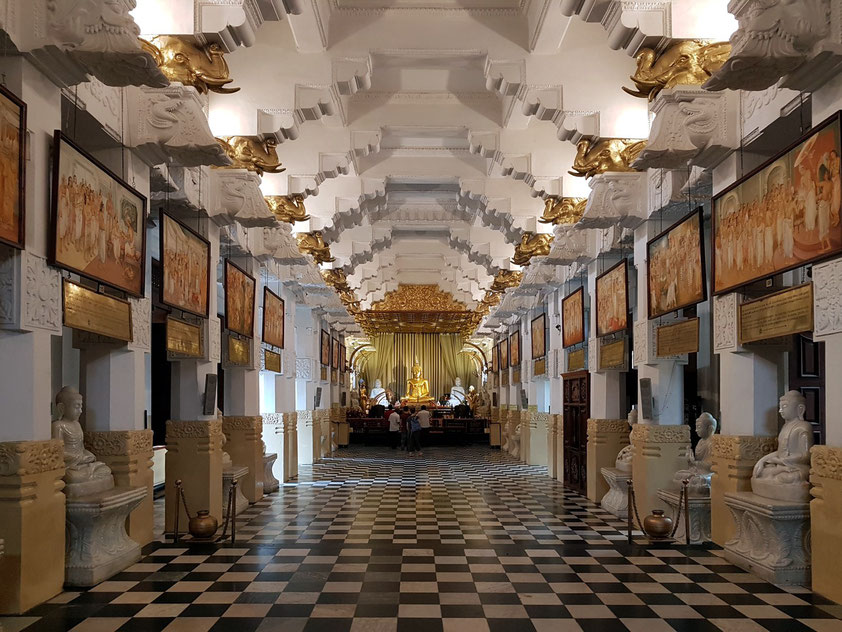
<point>419,309</point>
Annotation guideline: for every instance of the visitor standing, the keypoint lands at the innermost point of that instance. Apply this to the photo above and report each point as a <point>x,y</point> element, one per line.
<point>394,427</point>
<point>404,428</point>
<point>424,417</point>
<point>414,434</point>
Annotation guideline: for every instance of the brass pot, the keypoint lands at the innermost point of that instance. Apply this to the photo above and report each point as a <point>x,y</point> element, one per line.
<point>202,525</point>
<point>657,526</point>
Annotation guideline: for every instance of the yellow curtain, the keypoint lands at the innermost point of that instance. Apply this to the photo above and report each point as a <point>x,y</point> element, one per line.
<point>438,354</point>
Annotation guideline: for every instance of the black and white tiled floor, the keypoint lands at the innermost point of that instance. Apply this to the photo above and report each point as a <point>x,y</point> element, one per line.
<point>459,540</point>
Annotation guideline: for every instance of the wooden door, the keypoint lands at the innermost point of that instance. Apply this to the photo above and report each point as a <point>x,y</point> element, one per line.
<point>806,375</point>
<point>576,407</point>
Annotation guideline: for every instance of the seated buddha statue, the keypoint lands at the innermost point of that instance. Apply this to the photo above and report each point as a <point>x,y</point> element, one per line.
<point>417,388</point>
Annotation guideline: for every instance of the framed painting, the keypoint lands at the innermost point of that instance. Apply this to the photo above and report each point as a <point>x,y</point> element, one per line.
<point>538,336</point>
<point>504,354</point>
<point>240,293</point>
<point>12,169</point>
<point>495,364</point>
<point>514,349</point>
<point>334,354</point>
<point>185,262</point>
<point>343,359</point>
<point>273,319</point>
<point>573,318</point>
<point>325,348</point>
<point>98,221</point>
<point>782,215</point>
<point>675,266</point>
<point>612,300</point>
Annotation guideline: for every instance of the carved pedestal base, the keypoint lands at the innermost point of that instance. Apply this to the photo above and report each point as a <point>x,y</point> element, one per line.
<point>229,475</point>
<point>699,515</point>
<point>494,434</point>
<point>343,434</point>
<point>97,544</point>
<point>659,452</point>
<point>270,483</point>
<point>606,437</point>
<point>616,500</point>
<point>772,538</point>
<point>245,435</point>
<point>825,518</point>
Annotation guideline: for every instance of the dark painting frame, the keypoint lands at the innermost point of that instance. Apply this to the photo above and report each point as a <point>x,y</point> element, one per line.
<point>20,241</point>
<point>268,297</point>
<point>600,333</point>
<point>580,314</point>
<point>230,270</point>
<point>165,217</point>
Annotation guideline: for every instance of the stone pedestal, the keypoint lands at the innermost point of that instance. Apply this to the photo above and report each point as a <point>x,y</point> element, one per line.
<point>606,437</point>
<point>825,519</point>
<point>309,436</point>
<point>772,538</point>
<point>194,456</point>
<point>321,417</point>
<point>237,473</point>
<point>552,446</point>
<point>616,499</point>
<point>343,434</point>
<point>97,544</point>
<point>659,452</point>
<point>699,515</point>
<point>495,434</point>
<point>32,510</point>
<point>270,483</point>
<point>245,445</point>
<point>290,446</point>
<point>129,455</point>
<point>732,460</point>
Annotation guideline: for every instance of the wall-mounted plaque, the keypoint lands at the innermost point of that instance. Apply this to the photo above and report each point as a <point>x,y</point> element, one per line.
<point>96,313</point>
<point>516,376</point>
<point>677,338</point>
<point>780,314</point>
<point>576,360</point>
<point>504,381</point>
<point>238,351</point>
<point>540,367</point>
<point>272,361</point>
<point>323,374</point>
<point>612,355</point>
<point>184,338</point>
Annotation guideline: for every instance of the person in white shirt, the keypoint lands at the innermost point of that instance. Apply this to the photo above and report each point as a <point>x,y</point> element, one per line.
<point>424,416</point>
<point>394,427</point>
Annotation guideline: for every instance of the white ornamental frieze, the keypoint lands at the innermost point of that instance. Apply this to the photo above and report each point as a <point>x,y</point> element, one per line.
<point>236,196</point>
<point>616,199</point>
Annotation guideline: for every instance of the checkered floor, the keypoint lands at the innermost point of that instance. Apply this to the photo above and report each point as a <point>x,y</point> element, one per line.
<point>461,539</point>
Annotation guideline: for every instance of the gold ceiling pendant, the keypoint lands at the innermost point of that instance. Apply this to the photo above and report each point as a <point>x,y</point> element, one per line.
<point>503,281</point>
<point>605,155</point>
<point>532,245</point>
<point>418,298</point>
<point>287,208</point>
<point>563,210</point>
<point>252,153</point>
<point>687,63</point>
<point>314,244</point>
<point>203,67</point>
<point>419,309</point>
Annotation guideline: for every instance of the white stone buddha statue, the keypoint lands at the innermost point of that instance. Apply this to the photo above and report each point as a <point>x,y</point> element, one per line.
<point>378,394</point>
<point>457,393</point>
<point>784,474</point>
<point>83,475</point>
<point>624,458</point>
<point>698,471</point>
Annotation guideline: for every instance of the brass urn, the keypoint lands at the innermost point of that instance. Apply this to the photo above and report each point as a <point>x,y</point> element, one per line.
<point>203,525</point>
<point>657,526</point>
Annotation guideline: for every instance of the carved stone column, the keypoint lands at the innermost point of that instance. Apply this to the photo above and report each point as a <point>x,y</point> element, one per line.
<point>129,455</point>
<point>732,462</point>
<point>659,452</point>
<point>606,437</point>
<point>194,456</point>
<point>31,523</point>
<point>245,436</point>
<point>825,518</point>
<point>290,446</point>
<point>308,437</point>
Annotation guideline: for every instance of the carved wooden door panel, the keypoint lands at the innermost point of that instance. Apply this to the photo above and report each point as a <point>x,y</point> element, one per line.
<point>576,406</point>
<point>806,375</point>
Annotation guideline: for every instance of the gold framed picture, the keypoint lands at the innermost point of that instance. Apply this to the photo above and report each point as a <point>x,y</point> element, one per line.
<point>185,264</point>
<point>12,169</point>
<point>239,300</point>
<point>98,221</point>
<point>538,336</point>
<point>514,349</point>
<point>273,319</point>
<point>334,354</point>
<point>325,348</point>
<point>612,300</point>
<point>573,318</point>
<point>504,354</point>
<point>675,266</point>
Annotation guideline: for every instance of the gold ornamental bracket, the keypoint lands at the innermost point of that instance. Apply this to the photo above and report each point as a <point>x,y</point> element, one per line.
<point>201,66</point>
<point>605,155</point>
<point>502,282</point>
<point>563,210</point>
<point>252,153</point>
<point>287,208</point>
<point>314,244</point>
<point>687,63</point>
<point>532,245</point>
<point>336,279</point>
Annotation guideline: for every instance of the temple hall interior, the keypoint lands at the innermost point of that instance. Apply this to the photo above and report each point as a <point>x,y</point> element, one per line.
<point>420,316</point>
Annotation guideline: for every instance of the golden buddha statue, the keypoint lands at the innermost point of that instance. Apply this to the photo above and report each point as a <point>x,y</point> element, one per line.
<point>417,388</point>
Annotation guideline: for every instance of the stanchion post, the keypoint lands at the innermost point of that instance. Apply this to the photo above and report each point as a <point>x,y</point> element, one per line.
<point>686,512</point>
<point>177,509</point>
<point>630,497</point>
